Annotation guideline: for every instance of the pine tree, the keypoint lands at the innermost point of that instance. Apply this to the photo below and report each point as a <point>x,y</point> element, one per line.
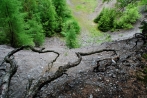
<point>12,23</point>
<point>62,9</point>
<point>63,13</point>
<point>48,17</point>
<point>34,27</point>
<point>71,37</point>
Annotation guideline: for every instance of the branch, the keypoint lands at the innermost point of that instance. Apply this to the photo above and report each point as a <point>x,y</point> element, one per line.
<point>7,77</point>
<point>98,51</point>
<point>45,79</point>
<point>9,58</point>
<point>34,87</point>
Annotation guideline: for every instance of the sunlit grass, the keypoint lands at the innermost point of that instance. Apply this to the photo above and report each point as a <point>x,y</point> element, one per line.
<point>85,5</point>
<point>81,10</point>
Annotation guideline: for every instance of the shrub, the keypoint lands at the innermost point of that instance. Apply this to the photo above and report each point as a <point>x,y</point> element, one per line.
<point>70,23</point>
<point>105,20</point>
<point>71,38</point>
<point>24,39</point>
<point>129,16</point>
<point>111,19</point>
<point>98,17</point>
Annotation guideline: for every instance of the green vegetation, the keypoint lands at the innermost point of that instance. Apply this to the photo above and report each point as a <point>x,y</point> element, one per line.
<point>118,18</point>
<point>12,24</point>
<point>71,39</point>
<point>106,19</point>
<point>83,12</point>
<point>48,17</point>
<point>28,22</point>
<point>85,5</point>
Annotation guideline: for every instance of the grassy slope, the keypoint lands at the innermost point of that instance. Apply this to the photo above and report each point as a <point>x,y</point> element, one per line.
<point>82,11</point>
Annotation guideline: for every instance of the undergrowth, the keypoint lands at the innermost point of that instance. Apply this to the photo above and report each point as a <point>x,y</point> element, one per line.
<point>114,18</point>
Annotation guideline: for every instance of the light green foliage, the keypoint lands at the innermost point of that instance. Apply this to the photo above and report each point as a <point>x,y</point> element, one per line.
<point>111,19</point>
<point>121,4</point>
<point>24,39</point>
<point>128,17</point>
<point>68,23</point>
<point>86,6</point>
<point>35,31</point>
<point>105,20</point>
<point>71,39</point>
<point>61,9</point>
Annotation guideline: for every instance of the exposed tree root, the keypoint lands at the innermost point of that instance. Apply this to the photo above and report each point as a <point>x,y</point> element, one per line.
<point>109,61</point>
<point>32,89</point>
<point>35,85</point>
<point>98,51</point>
<point>9,58</point>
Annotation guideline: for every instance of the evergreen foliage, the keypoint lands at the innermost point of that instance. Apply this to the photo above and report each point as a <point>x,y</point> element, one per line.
<point>71,38</point>
<point>70,22</point>
<point>27,22</point>
<point>12,23</point>
<point>33,22</point>
<point>63,13</point>
<point>62,9</point>
<point>67,24</point>
<point>3,38</point>
<point>123,3</point>
<point>105,20</point>
<point>48,17</point>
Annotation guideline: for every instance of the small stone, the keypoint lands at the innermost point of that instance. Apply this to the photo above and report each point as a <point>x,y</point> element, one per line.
<point>110,75</point>
<point>91,96</point>
<point>113,76</point>
<point>107,80</point>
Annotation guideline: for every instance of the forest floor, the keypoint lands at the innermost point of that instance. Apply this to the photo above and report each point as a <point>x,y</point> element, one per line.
<point>114,81</point>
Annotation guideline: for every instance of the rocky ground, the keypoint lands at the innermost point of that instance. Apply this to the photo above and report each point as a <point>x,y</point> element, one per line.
<point>111,80</point>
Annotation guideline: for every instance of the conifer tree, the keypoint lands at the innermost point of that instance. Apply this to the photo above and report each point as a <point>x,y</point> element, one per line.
<point>63,13</point>
<point>71,37</point>
<point>12,23</point>
<point>61,9</point>
<point>48,17</point>
<point>34,27</point>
